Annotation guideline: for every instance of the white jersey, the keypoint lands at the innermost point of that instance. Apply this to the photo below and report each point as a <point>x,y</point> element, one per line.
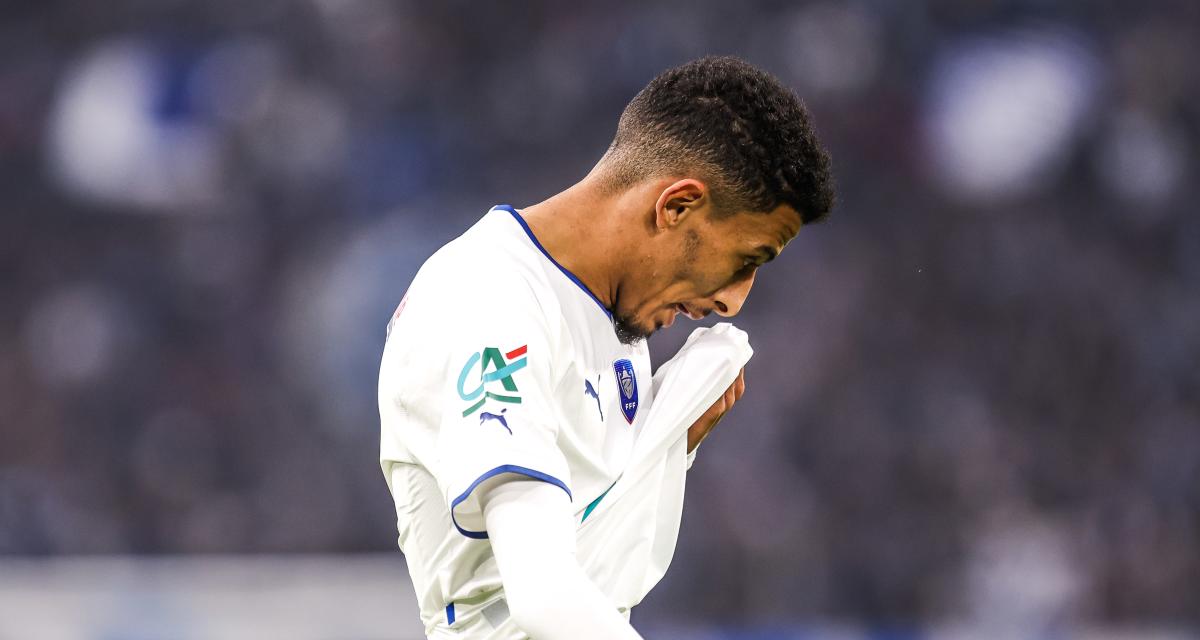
<point>498,361</point>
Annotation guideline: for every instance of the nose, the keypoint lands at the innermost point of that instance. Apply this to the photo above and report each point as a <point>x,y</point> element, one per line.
<point>728,302</point>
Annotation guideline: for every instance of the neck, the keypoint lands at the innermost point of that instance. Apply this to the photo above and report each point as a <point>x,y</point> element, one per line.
<point>580,228</point>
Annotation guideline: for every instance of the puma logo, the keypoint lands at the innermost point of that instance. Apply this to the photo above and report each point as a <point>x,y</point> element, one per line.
<point>498,417</point>
<point>591,391</point>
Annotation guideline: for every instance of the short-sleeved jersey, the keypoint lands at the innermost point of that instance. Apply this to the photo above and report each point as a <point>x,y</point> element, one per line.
<point>500,361</point>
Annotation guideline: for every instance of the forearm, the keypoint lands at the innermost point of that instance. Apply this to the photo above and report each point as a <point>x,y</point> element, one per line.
<point>532,532</point>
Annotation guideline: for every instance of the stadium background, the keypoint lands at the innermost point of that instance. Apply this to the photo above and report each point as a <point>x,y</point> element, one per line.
<point>975,408</point>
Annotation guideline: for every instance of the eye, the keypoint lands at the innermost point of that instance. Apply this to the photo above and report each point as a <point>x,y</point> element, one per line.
<point>747,265</point>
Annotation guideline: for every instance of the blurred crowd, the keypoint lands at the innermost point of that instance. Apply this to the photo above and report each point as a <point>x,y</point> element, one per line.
<point>975,395</point>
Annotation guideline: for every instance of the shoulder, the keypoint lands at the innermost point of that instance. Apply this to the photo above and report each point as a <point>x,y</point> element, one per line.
<point>481,269</point>
<point>483,284</point>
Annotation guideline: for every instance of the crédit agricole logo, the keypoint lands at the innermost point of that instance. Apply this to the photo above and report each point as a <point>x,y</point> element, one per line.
<point>486,368</point>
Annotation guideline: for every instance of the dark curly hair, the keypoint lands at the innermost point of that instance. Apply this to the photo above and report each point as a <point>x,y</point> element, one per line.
<point>746,133</point>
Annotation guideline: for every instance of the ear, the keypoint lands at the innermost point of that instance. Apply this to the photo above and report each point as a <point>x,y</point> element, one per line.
<point>679,201</point>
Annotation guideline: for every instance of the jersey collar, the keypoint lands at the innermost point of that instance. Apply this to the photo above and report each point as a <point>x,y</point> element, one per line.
<point>529,232</point>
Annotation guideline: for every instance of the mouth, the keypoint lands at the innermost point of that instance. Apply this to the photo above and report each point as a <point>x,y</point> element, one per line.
<point>671,318</point>
<point>677,309</point>
<point>687,311</point>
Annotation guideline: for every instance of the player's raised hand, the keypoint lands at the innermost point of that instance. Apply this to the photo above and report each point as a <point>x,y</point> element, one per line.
<point>701,428</point>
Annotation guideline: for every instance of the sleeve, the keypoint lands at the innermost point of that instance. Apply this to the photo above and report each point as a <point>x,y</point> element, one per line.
<point>549,595</point>
<point>499,418</point>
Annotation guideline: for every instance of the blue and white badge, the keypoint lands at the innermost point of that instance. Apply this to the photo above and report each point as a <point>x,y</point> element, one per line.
<point>627,385</point>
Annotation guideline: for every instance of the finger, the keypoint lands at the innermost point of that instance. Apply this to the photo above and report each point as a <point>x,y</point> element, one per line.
<point>734,392</point>
<point>740,385</point>
<point>714,412</point>
<point>714,424</point>
<point>731,390</point>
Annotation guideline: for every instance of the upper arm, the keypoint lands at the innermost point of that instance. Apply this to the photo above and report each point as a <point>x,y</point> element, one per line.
<point>497,352</point>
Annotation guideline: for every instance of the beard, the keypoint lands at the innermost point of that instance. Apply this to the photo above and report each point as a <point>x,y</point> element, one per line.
<point>628,330</point>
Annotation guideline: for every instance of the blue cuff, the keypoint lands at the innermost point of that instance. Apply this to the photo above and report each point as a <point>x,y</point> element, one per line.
<point>505,468</point>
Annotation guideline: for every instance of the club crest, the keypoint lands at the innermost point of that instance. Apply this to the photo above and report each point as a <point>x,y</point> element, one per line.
<point>627,385</point>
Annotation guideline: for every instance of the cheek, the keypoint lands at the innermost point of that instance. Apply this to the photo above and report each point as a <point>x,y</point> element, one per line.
<point>683,271</point>
<point>697,283</point>
<point>702,269</point>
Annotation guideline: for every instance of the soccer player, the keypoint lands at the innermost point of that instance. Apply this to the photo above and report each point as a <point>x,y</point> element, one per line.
<point>516,376</point>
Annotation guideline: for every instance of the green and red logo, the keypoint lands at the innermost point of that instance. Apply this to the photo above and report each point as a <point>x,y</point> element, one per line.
<point>491,366</point>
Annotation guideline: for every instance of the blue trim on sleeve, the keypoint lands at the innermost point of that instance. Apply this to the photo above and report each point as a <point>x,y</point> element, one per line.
<point>573,278</point>
<point>505,468</point>
<point>450,614</point>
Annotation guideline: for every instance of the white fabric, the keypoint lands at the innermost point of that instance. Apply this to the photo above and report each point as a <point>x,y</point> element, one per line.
<point>484,303</point>
<point>532,532</point>
<point>424,524</point>
<point>468,313</point>
<point>626,544</point>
